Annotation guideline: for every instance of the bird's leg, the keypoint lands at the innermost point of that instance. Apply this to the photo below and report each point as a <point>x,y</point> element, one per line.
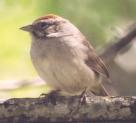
<point>82,100</point>
<point>82,97</point>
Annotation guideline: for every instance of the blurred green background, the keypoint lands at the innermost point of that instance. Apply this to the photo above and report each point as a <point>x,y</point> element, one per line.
<point>95,18</point>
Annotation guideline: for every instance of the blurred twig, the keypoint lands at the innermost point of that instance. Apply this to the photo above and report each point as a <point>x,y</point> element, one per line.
<point>111,51</point>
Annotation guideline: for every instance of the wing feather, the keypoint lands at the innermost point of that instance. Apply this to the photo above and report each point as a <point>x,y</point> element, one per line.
<point>97,65</point>
<point>95,62</point>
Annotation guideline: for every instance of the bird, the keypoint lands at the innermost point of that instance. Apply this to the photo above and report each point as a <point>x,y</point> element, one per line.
<point>65,59</point>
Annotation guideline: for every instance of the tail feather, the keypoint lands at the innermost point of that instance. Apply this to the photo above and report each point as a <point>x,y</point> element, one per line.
<point>105,88</point>
<point>108,88</point>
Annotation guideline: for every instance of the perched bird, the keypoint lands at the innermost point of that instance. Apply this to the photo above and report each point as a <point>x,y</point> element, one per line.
<point>64,58</point>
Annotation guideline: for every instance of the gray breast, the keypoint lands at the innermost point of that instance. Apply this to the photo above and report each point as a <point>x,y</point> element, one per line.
<point>60,66</point>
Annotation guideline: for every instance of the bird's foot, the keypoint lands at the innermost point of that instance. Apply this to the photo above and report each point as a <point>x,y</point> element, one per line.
<point>50,97</point>
<point>82,98</point>
<point>81,101</point>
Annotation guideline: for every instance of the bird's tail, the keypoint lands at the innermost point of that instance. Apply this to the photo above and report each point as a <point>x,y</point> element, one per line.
<point>108,88</point>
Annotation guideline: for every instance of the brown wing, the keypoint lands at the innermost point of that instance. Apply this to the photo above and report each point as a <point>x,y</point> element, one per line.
<point>97,65</point>
<point>95,62</point>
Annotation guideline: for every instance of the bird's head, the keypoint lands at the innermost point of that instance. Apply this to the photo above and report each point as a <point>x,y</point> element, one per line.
<point>50,26</point>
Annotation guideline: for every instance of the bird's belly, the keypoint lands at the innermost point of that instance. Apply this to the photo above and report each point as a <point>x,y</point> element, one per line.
<point>70,77</point>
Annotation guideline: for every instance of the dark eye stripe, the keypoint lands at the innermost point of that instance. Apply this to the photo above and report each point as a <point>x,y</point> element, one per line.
<point>43,25</point>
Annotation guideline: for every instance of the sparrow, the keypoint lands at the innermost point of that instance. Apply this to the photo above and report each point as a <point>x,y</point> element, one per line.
<point>65,59</point>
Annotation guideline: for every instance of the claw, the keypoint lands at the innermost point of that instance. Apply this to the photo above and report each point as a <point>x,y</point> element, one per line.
<point>82,100</point>
<point>51,97</point>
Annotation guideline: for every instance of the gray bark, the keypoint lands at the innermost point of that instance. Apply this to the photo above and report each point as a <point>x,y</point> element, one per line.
<point>68,109</point>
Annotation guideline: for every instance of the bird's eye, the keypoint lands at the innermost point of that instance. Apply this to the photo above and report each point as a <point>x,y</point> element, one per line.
<point>43,25</point>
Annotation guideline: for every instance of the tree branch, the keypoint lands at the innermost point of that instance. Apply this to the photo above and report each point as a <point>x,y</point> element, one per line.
<point>110,52</point>
<point>41,110</point>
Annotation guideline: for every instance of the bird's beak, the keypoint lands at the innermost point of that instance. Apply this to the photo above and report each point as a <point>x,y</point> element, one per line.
<point>28,28</point>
